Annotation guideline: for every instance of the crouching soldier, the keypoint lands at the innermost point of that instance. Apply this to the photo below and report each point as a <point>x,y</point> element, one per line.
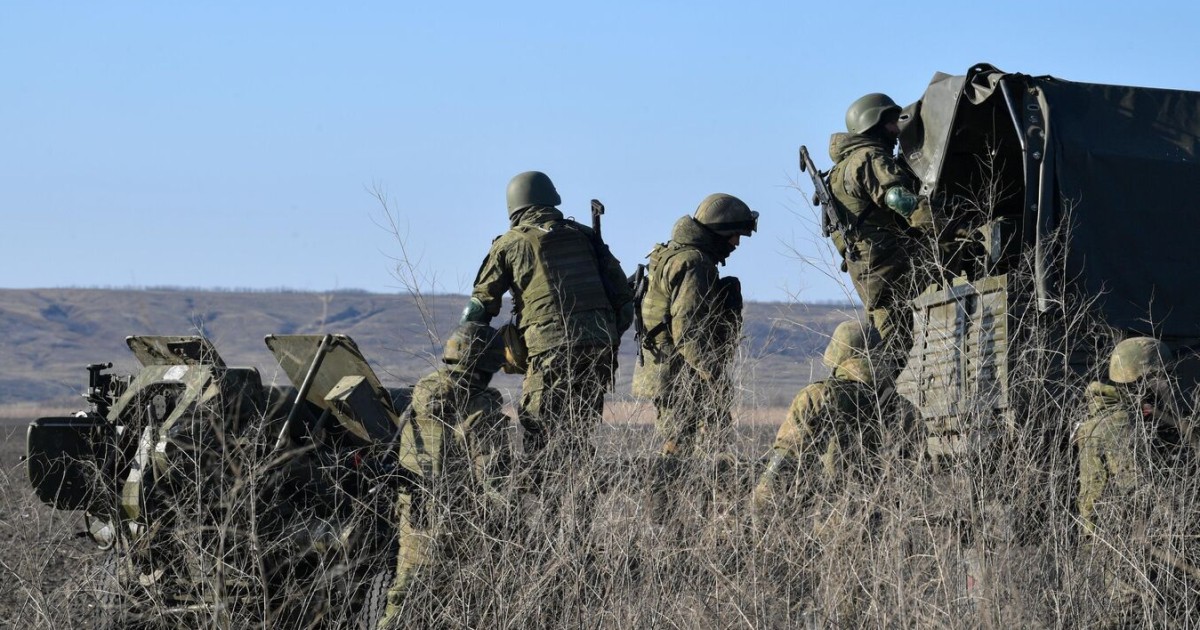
<point>1137,461</point>
<point>825,453</point>
<point>455,452</point>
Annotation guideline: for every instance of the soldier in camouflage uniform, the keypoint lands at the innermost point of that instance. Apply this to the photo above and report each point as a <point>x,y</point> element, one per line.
<point>824,454</point>
<point>571,305</point>
<point>1137,460</point>
<point>832,428</point>
<point>455,455</point>
<point>876,196</point>
<point>691,318</point>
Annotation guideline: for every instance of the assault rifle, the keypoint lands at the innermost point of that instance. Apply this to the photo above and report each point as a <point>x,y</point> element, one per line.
<point>598,243</point>
<point>831,219</point>
<point>639,282</point>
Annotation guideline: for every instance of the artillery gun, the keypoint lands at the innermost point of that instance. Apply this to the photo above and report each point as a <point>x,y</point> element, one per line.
<point>224,501</point>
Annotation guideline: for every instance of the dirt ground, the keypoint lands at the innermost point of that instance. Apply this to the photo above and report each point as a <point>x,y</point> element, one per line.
<point>46,566</point>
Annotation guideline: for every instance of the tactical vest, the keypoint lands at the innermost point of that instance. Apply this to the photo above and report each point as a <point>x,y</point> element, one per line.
<point>656,305</point>
<point>566,279</point>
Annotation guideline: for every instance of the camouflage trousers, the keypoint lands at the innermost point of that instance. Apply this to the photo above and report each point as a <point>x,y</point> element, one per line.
<point>438,527</point>
<point>452,502</point>
<point>562,404</point>
<point>885,281</point>
<point>693,416</point>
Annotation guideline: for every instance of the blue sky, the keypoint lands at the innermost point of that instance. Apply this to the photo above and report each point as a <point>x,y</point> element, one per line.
<point>238,144</point>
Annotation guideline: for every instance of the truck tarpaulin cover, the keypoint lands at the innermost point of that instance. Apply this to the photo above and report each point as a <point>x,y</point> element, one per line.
<point>1121,166</point>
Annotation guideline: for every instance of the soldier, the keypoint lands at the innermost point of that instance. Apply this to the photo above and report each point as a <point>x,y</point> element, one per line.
<point>571,305</point>
<point>691,318</point>
<point>455,456</point>
<point>1136,458</point>
<point>878,196</point>
<point>824,452</point>
<point>832,428</point>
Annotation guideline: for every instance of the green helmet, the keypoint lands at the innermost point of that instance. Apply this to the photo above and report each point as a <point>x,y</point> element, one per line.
<point>857,369</point>
<point>869,111</point>
<point>531,188</point>
<point>475,347</point>
<point>1137,358</point>
<point>727,215</point>
<point>851,340</point>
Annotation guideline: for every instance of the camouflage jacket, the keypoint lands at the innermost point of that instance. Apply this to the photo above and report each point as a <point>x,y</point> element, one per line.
<point>864,170</point>
<point>686,311</point>
<point>1127,452</point>
<point>833,429</point>
<point>512,265</point>
<point>457,423</point>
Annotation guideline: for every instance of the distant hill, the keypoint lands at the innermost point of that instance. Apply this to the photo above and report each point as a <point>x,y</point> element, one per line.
<point>47,336</point>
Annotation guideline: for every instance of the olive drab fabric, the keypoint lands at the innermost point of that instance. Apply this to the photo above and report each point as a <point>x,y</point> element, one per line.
<point>1106,450</point>
<point>682,307</point>
<point>832,430</point>
<point>567,290</point>
<point>570,305</point>
<point>850,340</point>
<point>692,319</point>
<point>1136,498</point>
<point>878,253</point>
<point>457,457</point>
<point>475,347</point>
<point>828,447</point>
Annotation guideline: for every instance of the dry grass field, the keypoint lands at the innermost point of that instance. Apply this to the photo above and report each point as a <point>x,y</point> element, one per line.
<point>52,571</point>
<point>48,570</point>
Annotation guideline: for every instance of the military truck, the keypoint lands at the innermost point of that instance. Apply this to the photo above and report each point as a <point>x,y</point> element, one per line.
<point>1081,200</point>
<point>225,501</point>
<point>1063,225</point>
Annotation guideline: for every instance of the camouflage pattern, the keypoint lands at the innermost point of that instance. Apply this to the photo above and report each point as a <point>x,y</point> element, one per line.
<point>1137,461</point>
<point>850,340</point>
<point>879,259</point>
<point>831,432</point>
<point>827,448</point>
<point>691,334</point>
<point>474,347</point>
<point>586,314</point>
<point>692,318</point>
<point>562,403</point>
<point>571,311</point>
<point>1106,450</point>
<point>867,111</point>
<point>456,455</point>
<point>1137,358</point>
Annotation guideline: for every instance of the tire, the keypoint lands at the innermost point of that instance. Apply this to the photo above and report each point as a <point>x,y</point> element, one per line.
<point>375,599</point>
<point>106,614</point>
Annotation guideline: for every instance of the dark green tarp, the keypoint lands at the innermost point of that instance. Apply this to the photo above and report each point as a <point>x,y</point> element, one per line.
<point>1120,165</point>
